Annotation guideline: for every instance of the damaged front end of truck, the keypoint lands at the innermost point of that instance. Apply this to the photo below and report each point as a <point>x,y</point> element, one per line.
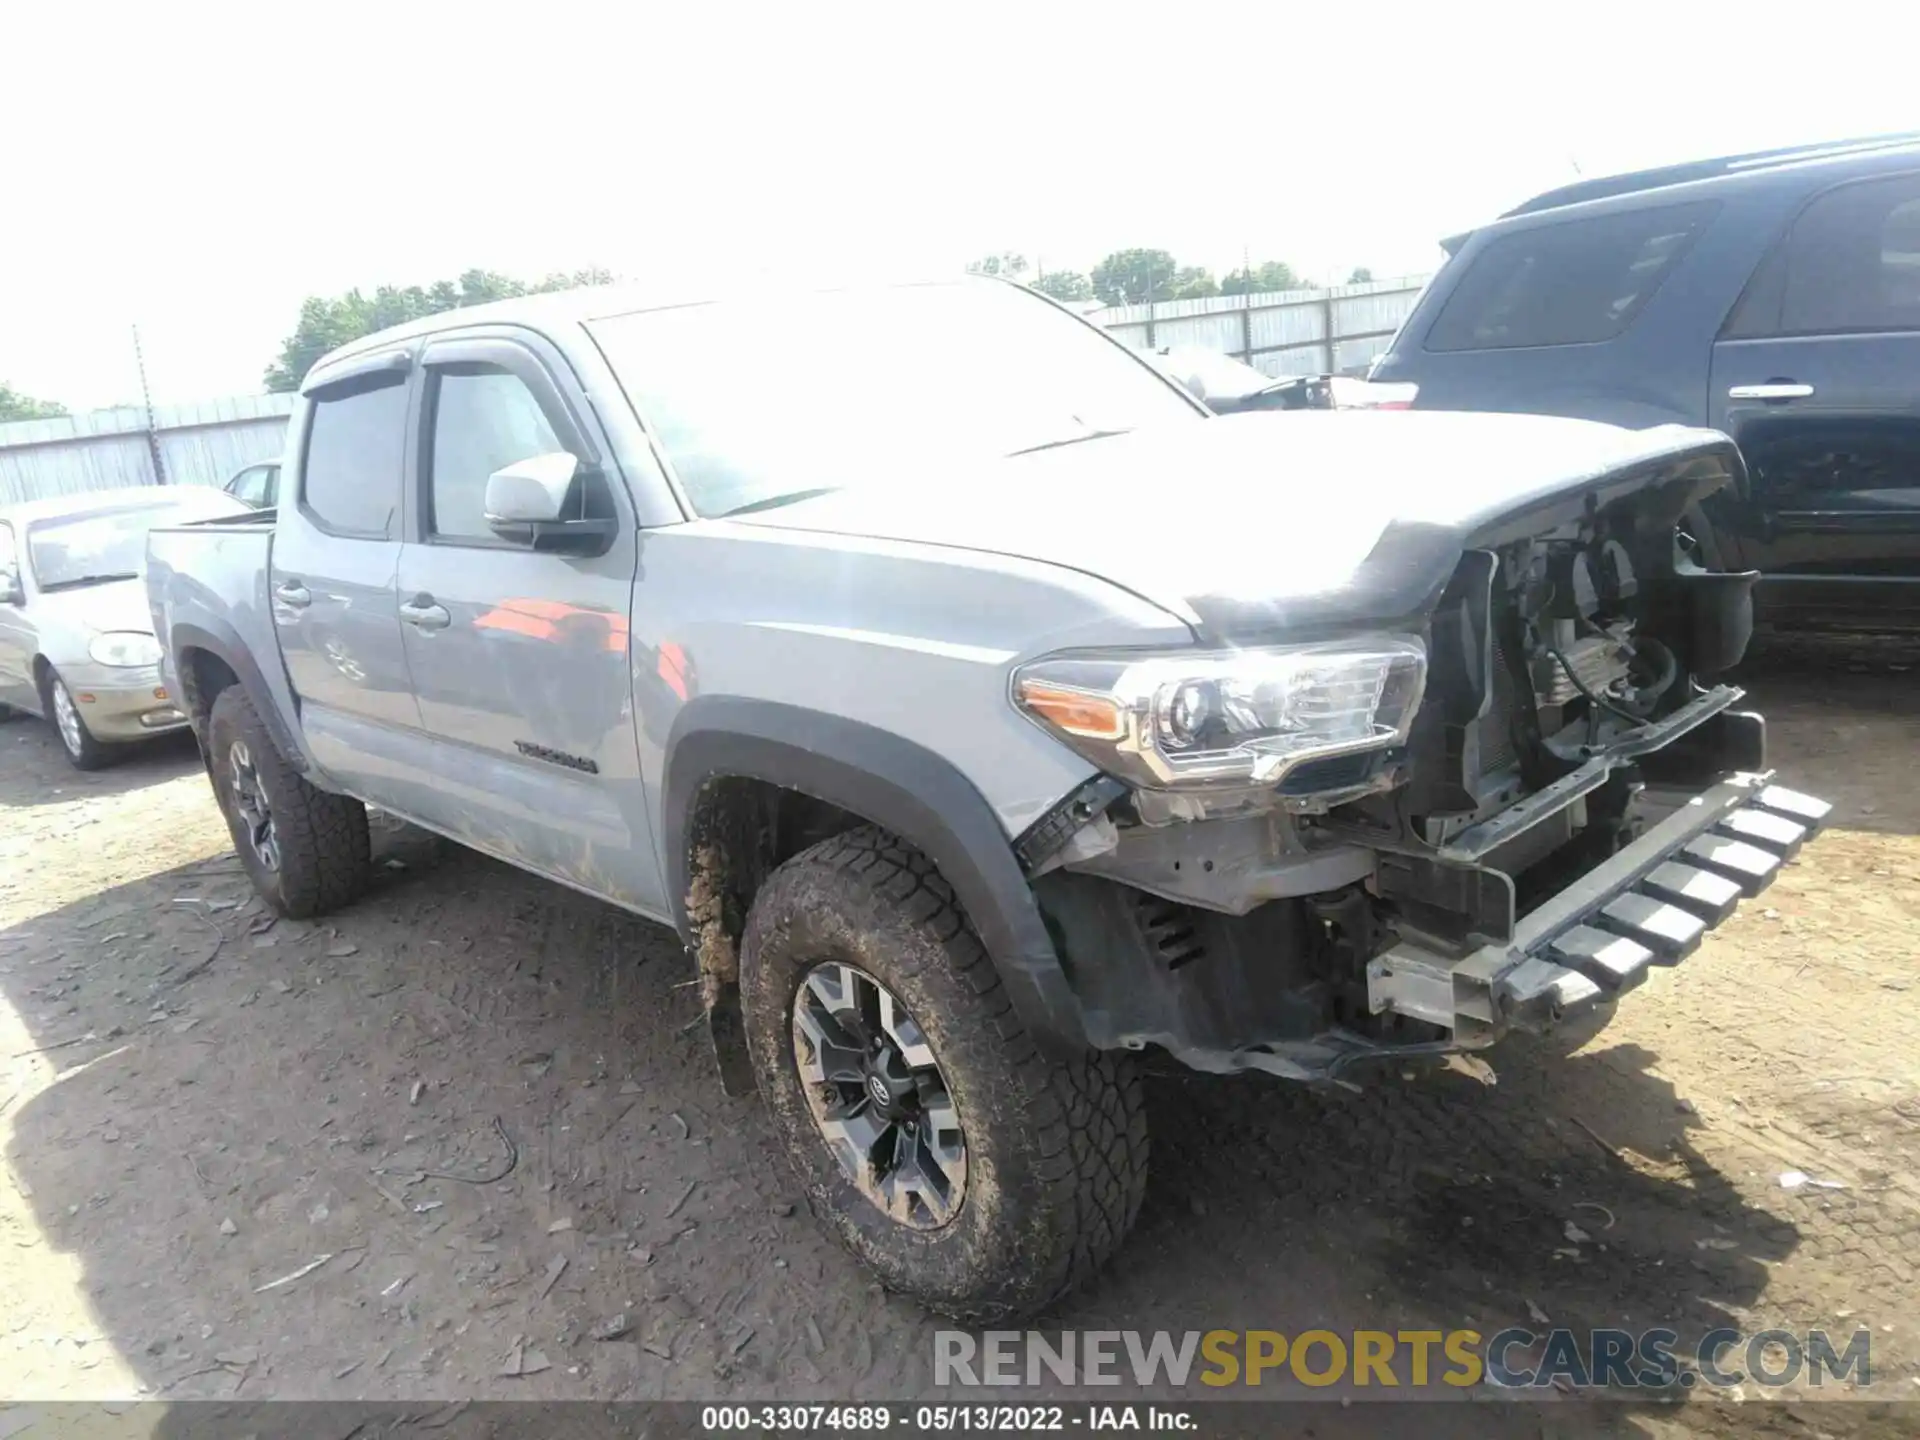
<point>1486,782</point>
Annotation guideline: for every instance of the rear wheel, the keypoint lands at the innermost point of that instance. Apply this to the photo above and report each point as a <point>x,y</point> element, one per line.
<point>306,850</point>
<point>972,1172</point>
<point>82,750</point>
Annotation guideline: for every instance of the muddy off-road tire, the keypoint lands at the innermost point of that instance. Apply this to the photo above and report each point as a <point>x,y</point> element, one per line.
<point>1051,1157</point>
<point>307,851</point>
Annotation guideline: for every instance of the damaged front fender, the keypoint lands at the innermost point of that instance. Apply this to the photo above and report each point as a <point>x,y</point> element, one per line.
<point>727,756</point>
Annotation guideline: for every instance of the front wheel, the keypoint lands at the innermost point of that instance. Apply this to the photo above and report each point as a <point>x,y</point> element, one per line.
<point>83,752</point>
<point>973,1173</point>
<point>307,850</point>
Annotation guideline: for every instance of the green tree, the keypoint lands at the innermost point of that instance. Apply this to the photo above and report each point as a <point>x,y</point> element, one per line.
<point>1269,275</point>
<point>1192,282</point>
<point>1361,276</point>
<point>326,323</point>
<point>1064,285</point>
<point>1007,265</point>
<point>16,406</point>
<point>1128,277</point>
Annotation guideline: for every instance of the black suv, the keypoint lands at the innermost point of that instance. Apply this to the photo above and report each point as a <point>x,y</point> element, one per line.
<point>1775,296</point>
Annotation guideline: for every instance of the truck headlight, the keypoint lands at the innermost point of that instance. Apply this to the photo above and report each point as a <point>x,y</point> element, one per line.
<point>1176,720</point>
<point>124,648</point>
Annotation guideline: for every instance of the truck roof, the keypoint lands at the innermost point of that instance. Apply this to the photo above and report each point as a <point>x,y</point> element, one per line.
<point>599,302</point>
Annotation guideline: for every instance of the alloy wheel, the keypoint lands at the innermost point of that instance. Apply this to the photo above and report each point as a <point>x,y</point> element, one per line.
<point>66,717</point>
<point>878,1096</point>
<point>251,801</point>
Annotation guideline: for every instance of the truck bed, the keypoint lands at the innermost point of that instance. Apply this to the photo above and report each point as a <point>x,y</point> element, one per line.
<point>207,588</point>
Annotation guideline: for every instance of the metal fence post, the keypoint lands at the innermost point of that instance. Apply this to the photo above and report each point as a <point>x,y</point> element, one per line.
<point>146,399</point>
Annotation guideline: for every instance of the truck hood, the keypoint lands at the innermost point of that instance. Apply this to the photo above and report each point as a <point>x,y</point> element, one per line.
<point>1248,525</point>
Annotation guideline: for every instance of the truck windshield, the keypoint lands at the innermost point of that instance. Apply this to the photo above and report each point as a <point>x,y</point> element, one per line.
<point>95,548</point>
<point>757,403</point>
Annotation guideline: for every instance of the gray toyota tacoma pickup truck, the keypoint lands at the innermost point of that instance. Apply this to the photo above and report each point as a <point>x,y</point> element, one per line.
<point>981,712</point>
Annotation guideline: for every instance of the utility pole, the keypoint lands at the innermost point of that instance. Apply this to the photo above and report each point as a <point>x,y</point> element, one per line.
<point>146,399</point>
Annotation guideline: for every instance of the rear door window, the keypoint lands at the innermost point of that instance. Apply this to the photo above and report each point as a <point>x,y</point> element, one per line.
<point>350,482</point>
<point>1573,283</point>
<point>1853,261</point>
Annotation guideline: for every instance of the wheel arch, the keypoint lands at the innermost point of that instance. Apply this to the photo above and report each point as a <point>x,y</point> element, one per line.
<point>207,659</point>
<point>731,766</point>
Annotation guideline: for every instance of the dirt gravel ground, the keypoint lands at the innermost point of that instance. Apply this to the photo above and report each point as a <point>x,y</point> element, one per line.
<point>256,1160</point>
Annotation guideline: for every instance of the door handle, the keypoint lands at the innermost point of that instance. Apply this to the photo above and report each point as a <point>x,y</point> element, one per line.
<point>423,614</point>
<point>1772,390</point>
<point>293,594</point>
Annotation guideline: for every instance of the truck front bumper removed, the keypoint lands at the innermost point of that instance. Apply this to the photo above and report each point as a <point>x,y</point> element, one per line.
<point>1648,905</point>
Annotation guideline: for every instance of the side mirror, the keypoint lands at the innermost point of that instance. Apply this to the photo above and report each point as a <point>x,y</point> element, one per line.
<point>1195,387</point>
<point>541,502</point>
<point>12,592</point>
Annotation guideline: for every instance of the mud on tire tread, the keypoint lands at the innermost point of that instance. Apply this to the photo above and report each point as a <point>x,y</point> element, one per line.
<point>1057,1150</point>
<point>325,848</point>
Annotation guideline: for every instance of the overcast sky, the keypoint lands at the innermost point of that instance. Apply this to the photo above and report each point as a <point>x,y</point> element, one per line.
<point>199,168</point>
